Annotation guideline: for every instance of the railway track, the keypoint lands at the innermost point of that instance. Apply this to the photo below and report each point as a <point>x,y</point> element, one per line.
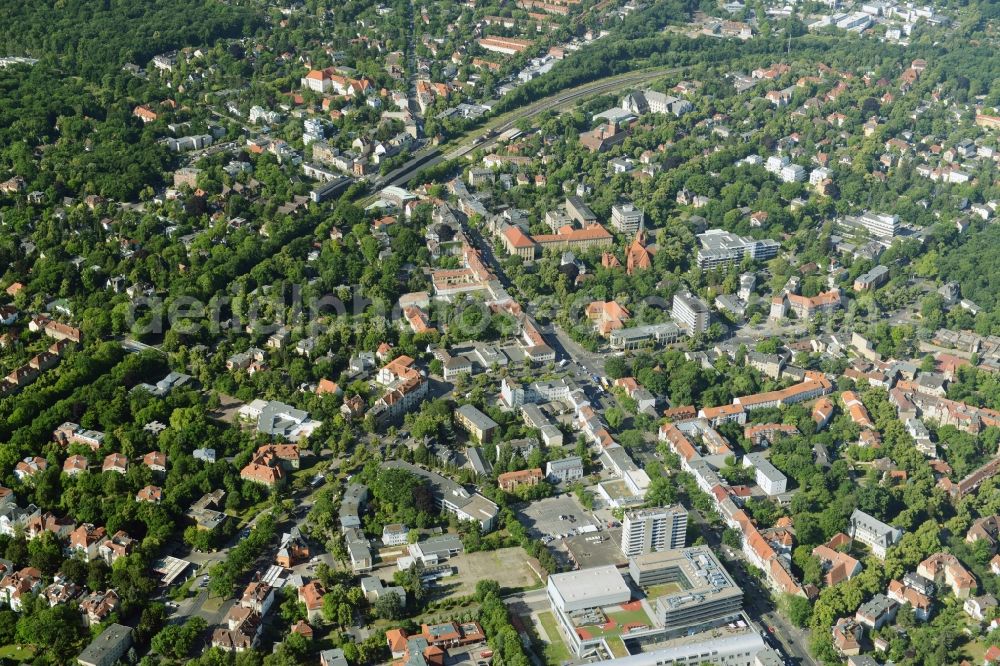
<point>432,156</point>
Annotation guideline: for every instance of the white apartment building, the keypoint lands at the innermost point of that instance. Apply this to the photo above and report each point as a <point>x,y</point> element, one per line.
<point>653,530</point>
<point>768,477</point>
<point>626,218</point>
<point>690,313</point>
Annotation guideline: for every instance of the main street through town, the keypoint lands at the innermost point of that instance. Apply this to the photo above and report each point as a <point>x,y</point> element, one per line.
<point>584,367</point>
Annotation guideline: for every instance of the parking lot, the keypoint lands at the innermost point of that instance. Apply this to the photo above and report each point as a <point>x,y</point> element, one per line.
<point>597,549</point>
<point>554,516</point>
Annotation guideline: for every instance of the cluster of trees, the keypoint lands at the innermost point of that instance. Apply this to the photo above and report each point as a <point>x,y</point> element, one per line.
<point>226,574</point>
<point>495,620</point>
<point>400,497</point>
<point>93,40</point>
<point>93,145</point>
<point>687,382</point>
<point>176,640</point>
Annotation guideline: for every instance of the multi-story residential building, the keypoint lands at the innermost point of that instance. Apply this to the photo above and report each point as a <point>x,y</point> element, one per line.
<point>395,534</point>
<point>579,211</point>
<point>86,540</point>
<point>768,477</point>
<point>110,646</point>
<point>509,481</point>
<point>651,101</point>
<point>876,277</point>
<point>655,529</point>
<point>690,312</point>
<point>872,532</point>
<point>792,173</point>
<point>452,497</point>
<point>565,469</point>
<point>879,226</point>
<point>626,218</point>
<point>71,433</point>
<point>945,569</point>
<point>477,424</point>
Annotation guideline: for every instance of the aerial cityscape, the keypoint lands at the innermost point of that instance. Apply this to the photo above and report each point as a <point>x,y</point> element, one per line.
<point>500,332</point>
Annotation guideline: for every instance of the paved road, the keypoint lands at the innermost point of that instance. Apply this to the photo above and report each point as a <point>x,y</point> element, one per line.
<point>757,600</point>
<point>567,347</point>
<point>195,605</point>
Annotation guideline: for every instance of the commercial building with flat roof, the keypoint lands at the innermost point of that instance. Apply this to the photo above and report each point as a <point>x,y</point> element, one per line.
<point>721,249</point>
<point>587,588</point>
<point>646,335</point>
<point>724,646</point>
<point>703,591</point>
<point>684,591</point>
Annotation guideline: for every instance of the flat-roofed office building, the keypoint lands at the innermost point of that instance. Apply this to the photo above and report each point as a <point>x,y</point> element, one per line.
<point>706,594</point>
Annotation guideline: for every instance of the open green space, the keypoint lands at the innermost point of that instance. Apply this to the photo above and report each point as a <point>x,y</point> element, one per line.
<point>17,652</point>
<point>619,619</point>
<point>663,590</point>
<point>556,651</point>
<point>617,647</point>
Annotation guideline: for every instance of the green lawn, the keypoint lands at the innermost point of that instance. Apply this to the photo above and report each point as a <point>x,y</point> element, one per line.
<point>617,647</point>
<point>621,618</point>
<point>556,651</point>
<point>976,650</point>
<point>663,590</point>
<point>17,652</point>
<point>183,590</point>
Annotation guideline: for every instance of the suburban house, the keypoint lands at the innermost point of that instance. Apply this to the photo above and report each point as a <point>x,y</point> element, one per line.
<point>512,480</point>
<point>945,569</point>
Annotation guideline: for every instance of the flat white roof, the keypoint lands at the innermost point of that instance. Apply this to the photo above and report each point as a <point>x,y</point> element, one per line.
<point>577,587</point>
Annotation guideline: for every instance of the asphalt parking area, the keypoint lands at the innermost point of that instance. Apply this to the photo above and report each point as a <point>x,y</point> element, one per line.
<point>554,517</point>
